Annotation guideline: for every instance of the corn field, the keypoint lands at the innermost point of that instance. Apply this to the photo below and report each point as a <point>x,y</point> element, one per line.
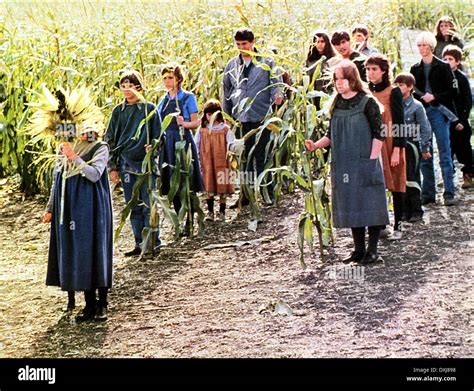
<point>60,45</point>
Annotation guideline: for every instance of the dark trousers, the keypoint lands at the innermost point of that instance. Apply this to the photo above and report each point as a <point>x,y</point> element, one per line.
<point>254,166</point>
<point>412,199</point>
<point>461,146</point>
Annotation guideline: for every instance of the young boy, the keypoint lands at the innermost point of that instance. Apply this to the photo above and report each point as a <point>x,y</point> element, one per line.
<point>127,154</point>
<point>460,131</point>
<point>418,137</point>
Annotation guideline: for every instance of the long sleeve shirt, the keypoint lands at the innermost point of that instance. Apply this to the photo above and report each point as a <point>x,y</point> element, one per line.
<point>123,125</point>
<point>249,89</point>
<point>92,170</point>
<point>441,82</point>
<point>371,111</point>
<point>463,101</point>
<point>396,109</point>
<point>229,138</point>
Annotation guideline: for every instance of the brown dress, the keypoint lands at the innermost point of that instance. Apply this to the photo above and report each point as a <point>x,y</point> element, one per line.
<point>215,167</point>
<point>395,177</point>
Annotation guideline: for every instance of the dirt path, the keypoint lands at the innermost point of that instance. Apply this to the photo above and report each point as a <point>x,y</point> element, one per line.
<point>249,301</point>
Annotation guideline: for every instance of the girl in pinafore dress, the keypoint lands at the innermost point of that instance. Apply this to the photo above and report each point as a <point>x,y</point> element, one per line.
<point>393,150</point>
<point>358,188</point>
<point>213,140</point>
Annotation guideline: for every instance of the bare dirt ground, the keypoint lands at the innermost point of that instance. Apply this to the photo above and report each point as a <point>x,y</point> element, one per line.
<point>251,300</point>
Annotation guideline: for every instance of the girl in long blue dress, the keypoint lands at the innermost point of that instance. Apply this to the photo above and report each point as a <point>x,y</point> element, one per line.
<point>80,212</point>
<point>178,100</point>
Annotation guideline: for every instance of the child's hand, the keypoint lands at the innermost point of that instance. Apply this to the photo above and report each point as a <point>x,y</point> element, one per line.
<point>459,126</point>
<point>426,155</point>
<point>428,98</point>
<point>395,160</point>
<point>46,218</point>
<point>67,151</point>
<point>114,176</point>
<point>180,120</point>
<point>148,148</point>
<point>310,145</point>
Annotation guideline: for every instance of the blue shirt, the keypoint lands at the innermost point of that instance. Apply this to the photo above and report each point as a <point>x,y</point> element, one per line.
<point>189,107</point>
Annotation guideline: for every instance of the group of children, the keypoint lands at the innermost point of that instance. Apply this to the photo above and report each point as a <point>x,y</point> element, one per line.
<point>378,136</point>
<point>434,98</point>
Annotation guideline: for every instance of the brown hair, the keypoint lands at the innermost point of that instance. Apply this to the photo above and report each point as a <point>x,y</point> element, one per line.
<point>383,63</point>
<point>351,73</point>
<point>453,50</point>
<point>313,54</point>
<point>176,70</point>
<point>340,35</point>
<point>439,35</point>
<point>360,28</point>
<point>132,77</point>
<point>210,107</point>
<point>405,78</point>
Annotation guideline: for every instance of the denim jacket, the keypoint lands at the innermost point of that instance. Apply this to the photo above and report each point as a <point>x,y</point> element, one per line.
<point>248,99</point>
<point>415,115</point>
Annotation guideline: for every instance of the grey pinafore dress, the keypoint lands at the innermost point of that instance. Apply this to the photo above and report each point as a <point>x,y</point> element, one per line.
<point>358,188</point>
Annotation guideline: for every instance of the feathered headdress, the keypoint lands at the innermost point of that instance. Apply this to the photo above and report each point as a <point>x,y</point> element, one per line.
<point>64,115</point>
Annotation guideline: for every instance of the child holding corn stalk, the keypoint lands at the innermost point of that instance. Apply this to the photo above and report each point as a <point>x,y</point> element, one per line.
<point>183,105</point>
<point>358,188</point>
<point>130,129</point>
<point>80,212</point>
<point>213,140</point>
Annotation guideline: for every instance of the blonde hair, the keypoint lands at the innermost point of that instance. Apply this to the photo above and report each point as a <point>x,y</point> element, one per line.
<point>427,38</point>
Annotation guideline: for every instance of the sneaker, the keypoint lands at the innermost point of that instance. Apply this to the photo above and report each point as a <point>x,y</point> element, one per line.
<point>396,235</point>
<point>209,217</point>
<point>220,216</point>
<point>133,253</point>
<point>450,201</point>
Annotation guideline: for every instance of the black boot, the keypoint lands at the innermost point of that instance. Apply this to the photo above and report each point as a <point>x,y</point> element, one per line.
<point>356,256</point>
<point>89,311</point>
<point>71,302</point>
<point>101,313</point>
